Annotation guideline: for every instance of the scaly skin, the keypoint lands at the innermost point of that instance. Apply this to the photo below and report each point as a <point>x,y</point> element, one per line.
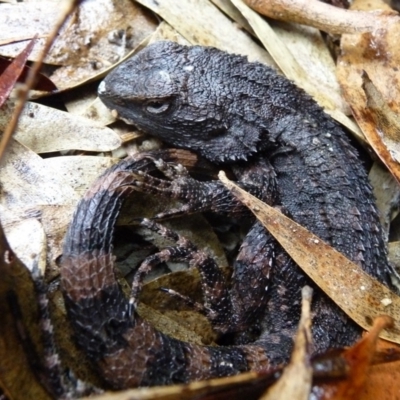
<point>283,148</point>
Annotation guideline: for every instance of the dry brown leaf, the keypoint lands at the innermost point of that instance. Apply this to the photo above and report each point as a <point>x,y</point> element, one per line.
<point>377,54</point>
<point>381,126</point>
<point>382,381</point>
<point>360,296</point>
<point>358,360</point>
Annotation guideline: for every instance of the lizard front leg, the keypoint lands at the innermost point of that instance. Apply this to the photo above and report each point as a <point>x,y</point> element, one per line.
<point>258,178</point>
<point>234,309</point>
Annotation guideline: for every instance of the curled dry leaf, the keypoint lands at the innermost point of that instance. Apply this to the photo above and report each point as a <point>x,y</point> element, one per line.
<point>28,186</point>
<point>360,296</point>
<point>322,16</point>
<point>381,127</point>
<point>26,182</point>
<point>369,76</point>
<point>45,190</point>
<point>45,129</point>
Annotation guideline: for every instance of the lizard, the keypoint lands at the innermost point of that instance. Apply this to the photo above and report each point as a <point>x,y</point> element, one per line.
<point>282,148</point>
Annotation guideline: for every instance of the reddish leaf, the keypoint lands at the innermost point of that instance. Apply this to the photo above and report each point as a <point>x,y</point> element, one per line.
<point>13,71</point>
<point>43,82</point>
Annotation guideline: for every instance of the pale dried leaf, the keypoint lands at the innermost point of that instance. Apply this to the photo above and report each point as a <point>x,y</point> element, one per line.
<point>28,240</point>
<point>99,34</point>
<point>22,21</point>
<point>28,186</point>
<point>45,129</point>
<point>78,172</point>
<point>229,9</point>
<point>200,22</point>
<point>359,295</point>
<point>167,32</point>
<point>26,182</point>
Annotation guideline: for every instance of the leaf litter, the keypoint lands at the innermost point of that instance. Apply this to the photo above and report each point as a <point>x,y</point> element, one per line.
<point>44,193</point>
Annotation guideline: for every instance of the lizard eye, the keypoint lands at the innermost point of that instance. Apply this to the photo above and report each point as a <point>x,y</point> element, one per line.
<point>157,106</point>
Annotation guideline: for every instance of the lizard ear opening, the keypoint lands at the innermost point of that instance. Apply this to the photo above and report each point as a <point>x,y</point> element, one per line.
<point>239,142</point>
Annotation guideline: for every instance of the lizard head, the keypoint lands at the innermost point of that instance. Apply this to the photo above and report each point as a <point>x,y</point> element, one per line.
<point>184,96</point>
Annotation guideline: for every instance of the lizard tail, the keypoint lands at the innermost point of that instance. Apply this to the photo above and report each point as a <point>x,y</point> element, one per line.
<point>126,350</point>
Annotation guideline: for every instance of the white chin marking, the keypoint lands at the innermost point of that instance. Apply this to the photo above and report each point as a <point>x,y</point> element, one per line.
<point>102,87</point>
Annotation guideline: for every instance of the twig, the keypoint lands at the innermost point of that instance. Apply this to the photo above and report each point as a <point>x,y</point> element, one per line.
<point>31,79</point>
<point>323,16</point>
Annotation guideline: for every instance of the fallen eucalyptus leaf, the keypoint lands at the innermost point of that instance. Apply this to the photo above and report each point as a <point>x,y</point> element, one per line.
<point>99,34</point>
<point>10,75</point>
<point>28,240</point>
<point>386,122</point>
<point>200,22</point>
<point>368,73</point>
<point>78,172</point>
<point>358,359</point>
<point>359,295</point>
<point>45,129</point>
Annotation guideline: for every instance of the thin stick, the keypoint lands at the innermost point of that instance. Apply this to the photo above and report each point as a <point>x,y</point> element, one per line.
<point>324,16</point>
<point>31,79</point>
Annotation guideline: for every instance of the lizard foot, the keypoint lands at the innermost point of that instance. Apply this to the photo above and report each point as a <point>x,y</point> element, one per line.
<point>215,290</point>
